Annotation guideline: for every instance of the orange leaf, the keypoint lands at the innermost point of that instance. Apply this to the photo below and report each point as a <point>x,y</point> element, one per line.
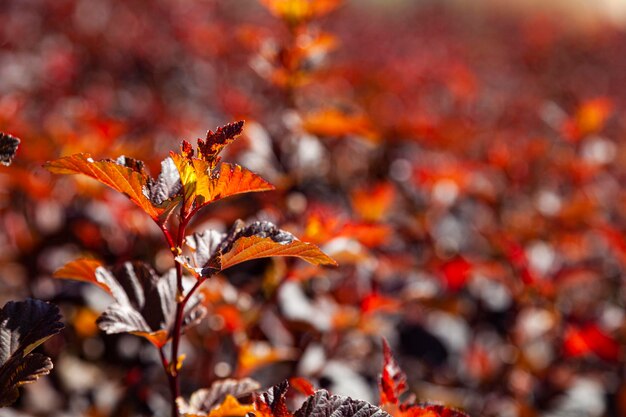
<point>122,178</point>
<point>300,10</point>
<point>332,122</point>
<point>373,203</point>
<point>254,354</point>
<point>255,247</point>
<point>81,270</point>
<point>232,179</point>
<point>229,408</point>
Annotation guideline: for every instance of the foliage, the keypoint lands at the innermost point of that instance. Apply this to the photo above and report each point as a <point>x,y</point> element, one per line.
<point>462,167</point>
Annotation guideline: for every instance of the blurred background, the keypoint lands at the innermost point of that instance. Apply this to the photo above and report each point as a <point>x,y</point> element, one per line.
<point>462,161</point>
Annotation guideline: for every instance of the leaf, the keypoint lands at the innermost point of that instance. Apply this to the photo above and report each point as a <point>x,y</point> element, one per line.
<point>204,400</point>
<point>590,339</point>
<point>166,185</point>
<point>428,410</point>
<point>302,384</point>
<point>144,305</point>
<point>210,148</point>
<point>204,180</point>
<point>271,403</point>
<point>255,354</point>
<point>8,148</point>
<point>127,176</point>
<point>24,326</point>
<point>81,270</point>
<point>392,382</point>
<point>243,243</point>
<point>322,404</point>
<point>336,123</point>
<point>230,180</point>
<point>300,10</point>
<point>188,178</point>
<point>393,385</point>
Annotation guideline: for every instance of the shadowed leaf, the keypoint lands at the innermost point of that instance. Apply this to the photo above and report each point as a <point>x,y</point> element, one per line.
<point>24,326</point>
<point>8,148</point>
<point>322,404</point>
<point>144,305</point>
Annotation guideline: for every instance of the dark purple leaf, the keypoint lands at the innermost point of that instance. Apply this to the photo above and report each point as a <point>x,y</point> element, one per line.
<point>24,326</point>
<point>8,148</point>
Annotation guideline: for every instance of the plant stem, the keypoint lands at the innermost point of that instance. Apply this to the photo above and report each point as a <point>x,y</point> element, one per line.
<point>181,301</point>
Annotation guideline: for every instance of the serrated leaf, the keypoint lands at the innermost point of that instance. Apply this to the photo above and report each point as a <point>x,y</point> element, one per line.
<point>145,303</point>
<point>231,179</point>
<point>124,175</point>
<point>322,404</point>
<point>8,148</point>
<point>264,240</point>
<point>210,148</point>
<point>392,380</point>
<point>271,403</point>
<point>243,243</point>
<point>24,326</point>
<point>204,180</point>
<point>204,400</point>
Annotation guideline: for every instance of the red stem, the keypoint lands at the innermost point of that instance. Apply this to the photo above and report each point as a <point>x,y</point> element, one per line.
<point>181,302</point>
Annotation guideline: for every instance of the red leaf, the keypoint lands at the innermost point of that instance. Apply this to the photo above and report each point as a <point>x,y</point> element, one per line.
<point>588,340</point>
<point>302,384</point>
<point>392,381</point>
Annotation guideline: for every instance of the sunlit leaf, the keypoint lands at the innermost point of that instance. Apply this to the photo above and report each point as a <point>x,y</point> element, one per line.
<point>373,203</point>
<point>299,10</point>
<point>188,178</point>
<point>255,354</point>
<point>243,243</point>
<point>335,123</point>
<point>222,393</point>
<point>260,241</point>
<point>231,179</point>
<point>8,148</point>
<point>82,270</point>
<point>127,176</point>
<point>204,180</point>
<point>24,326</point>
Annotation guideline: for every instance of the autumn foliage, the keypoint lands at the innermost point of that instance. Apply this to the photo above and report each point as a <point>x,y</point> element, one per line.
<point>305,208</point>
